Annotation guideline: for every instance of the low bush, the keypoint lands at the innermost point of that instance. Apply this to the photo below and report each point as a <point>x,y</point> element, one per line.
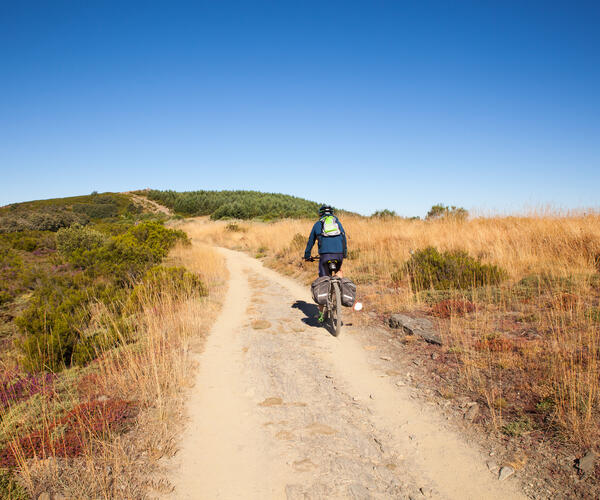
<point>385,214</point>
<point>54,326</point>
<point>441,211</point>
<point>50,220</point>
<point>126,256</point>
<point>100,211</point>
<point>100,207</point>
<point>78,239</point>
<point>428,268</point>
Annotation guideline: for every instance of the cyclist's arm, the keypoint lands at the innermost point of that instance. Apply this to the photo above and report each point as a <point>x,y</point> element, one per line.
<point>344,242</point>
<point>311,243</point>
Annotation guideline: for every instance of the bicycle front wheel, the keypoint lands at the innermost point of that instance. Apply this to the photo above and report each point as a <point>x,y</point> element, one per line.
<point>336,310</point>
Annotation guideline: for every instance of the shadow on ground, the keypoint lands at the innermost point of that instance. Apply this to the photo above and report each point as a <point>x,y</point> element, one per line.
<point>311,312</point>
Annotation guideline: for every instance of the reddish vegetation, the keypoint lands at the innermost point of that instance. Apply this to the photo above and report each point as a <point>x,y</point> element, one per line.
<point>450,307</point>
<point>71,433</point>
<point>16,387</point>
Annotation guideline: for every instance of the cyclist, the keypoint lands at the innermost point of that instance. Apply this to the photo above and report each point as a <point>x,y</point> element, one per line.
<point>330,234</point>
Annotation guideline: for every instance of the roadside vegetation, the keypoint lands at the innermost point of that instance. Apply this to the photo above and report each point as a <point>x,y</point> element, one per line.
<point>101,306</point>
<point>517,301</point>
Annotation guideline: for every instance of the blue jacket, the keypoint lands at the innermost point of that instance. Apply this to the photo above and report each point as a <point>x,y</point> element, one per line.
<point>327,244</point>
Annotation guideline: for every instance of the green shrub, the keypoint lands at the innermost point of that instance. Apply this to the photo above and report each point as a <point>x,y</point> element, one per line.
<point>51,325</point>
<point>428,268</point>
<point>97,210</point>
<point>108,334</point>
<point>124,257</point>
<point>78,239</point>
<point>157,238</point>
<point>26,243</point>
<point>441,211</point>
<point>57,317</point>
<point>385,214</point>
<point>50,220</point>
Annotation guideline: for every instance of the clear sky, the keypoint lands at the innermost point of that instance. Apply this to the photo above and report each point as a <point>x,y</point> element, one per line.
<point>365,105</point>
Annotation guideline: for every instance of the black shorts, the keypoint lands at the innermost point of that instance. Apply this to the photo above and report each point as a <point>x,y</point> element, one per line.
<point>324,267</point>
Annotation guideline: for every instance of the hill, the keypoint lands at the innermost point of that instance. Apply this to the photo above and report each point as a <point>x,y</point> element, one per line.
<point>234,204</point>
<point>89,287</point>
<point>56,213</point>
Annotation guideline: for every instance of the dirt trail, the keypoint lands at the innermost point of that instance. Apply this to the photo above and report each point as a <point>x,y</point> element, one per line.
<point>149,204</point>
<point>282,409</point>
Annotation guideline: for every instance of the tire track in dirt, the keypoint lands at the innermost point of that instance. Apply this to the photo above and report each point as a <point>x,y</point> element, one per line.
<point>281,409</point>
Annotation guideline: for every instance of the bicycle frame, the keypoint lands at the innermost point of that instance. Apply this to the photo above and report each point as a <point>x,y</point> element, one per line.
<point>333,307</point>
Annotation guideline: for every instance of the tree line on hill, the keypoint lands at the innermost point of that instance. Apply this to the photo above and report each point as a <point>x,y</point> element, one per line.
<point>234,204</point>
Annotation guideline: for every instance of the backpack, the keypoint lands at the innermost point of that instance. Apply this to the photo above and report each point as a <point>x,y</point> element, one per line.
<point>330,226</point>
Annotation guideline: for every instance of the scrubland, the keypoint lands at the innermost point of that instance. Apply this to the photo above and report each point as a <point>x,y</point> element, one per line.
<point>525,344</point>
<point>100,317</point>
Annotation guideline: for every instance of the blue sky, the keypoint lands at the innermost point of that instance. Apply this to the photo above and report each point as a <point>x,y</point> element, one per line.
<point>365,105</point>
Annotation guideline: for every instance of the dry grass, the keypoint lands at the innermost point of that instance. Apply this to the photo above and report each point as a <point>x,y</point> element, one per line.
<point>151,373</point>
<point>529,347</point>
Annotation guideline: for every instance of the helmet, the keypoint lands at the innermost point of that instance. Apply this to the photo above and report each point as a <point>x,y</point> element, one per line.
<point>325,210</point>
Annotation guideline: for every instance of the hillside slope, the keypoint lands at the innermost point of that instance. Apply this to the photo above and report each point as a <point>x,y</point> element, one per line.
<point>234,204</point>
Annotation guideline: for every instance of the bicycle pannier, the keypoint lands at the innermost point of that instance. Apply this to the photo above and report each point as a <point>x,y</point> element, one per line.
<point>348,292</point>
<point>320,289</point>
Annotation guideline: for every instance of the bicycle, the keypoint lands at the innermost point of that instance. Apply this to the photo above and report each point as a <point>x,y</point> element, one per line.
<point>333,306</point>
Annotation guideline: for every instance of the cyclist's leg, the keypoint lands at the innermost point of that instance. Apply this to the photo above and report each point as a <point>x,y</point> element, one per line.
<point>323,267</point>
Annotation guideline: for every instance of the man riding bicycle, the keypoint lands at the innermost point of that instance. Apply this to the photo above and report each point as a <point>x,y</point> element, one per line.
<point>330,234</point>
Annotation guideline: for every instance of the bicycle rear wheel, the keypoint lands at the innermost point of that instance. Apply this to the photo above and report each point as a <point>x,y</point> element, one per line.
<point>336,310</point>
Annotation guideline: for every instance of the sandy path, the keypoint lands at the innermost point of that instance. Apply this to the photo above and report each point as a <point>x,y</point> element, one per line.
<point>281,409</point>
